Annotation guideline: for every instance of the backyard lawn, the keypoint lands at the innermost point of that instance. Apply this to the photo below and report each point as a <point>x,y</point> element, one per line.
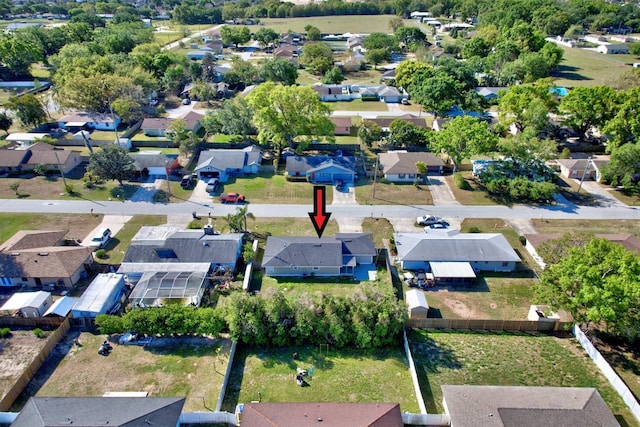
<point>391,194</point>
<point>118,245</point>
<point>505,360</point>
<point>581,67</point>
<point>380,228</point>
<point>268,375</point>
<point>79,225</point>
<point>264,227</point>
<point>291,286</point>
<point>191,367</point>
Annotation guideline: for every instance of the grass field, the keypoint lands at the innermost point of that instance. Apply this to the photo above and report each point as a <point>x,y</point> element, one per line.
<point>587,68</point>
<point>339,376</point>
<point>625,360</point>
<point>474,196</point>
<point>380,228</point>
<point>118,245</point>
<point>78,225</point>
<point>330,286</point>
<point>595,226</point>
<point>505,359</point>
<point>502,298</point>
<point>190,367</point>
<point>392,194</point>
<point>331,24</point>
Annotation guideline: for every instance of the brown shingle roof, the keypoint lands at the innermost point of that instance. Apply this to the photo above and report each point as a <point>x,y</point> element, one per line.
<point>395,162</point>
<point>329,414</point>
<point>13,158</point>
<point>51,261</point>
<point>51,157</point>
<point>29,239</point>
<point>409,118</point>
<point>155,123</point>
<point>191,119</point>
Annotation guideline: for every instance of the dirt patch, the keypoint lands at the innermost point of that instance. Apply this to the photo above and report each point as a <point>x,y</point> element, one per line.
<point>461,309</point>
<point>16,353</point>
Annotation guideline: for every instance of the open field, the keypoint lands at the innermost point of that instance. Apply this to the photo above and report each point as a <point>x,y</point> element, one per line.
<point>505,359</point>
<point>500,298</point>
<point>587,68</point>
<point>191,367</point>
<point>79,225</point>
<point>339,375</point>
<point>595,226</point>
<point>391,194</point>
<point>118,245</point>
<point>287,226</point>
<point>18,350</point>
<point>475,196</point>
<point>331,24</point>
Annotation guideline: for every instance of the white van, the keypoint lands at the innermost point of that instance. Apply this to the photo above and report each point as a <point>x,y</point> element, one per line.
<point>101,238</point>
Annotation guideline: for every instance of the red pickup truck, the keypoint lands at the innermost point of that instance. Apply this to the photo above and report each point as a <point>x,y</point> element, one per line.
<point>232,198</point>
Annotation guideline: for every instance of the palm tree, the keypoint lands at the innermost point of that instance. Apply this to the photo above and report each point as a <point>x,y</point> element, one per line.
<point>243,213</point>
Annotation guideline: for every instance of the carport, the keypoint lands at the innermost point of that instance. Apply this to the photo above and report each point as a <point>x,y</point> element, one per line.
<point>452,273</point>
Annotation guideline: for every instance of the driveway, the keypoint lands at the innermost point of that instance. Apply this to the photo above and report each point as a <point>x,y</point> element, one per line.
<point>145,193</point>
<point>440,191</point>
<point>601,194</point>
<point>199,194</point>
<point>112,222</point>
<point>346,196</point>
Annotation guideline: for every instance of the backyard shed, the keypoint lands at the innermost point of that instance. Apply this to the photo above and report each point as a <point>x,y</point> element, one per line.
<point>417,302</point>
<point>28,304</point>
<point>102,296</point>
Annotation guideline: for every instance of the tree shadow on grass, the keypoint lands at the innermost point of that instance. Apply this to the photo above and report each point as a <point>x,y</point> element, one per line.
<point>568,72</point>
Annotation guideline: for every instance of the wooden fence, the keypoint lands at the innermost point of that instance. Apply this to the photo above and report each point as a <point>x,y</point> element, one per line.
<point>489,325</point>
<point>35,322</point>
<point>53,339</point>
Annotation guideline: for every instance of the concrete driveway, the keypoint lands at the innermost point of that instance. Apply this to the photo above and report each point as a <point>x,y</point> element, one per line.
<point>601,194</point>
<point>199,194</point>
<point>112,222</point>
<point>440,191</point>
<point>346,196</point>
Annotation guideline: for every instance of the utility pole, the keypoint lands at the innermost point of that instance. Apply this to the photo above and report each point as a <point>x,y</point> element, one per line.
<point>64,180</point>
<point>375,175</point>
<point>584,173</point>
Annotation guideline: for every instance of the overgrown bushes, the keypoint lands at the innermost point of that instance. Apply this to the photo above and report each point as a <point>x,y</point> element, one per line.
<point>5,332</point>
<point>460,182</point>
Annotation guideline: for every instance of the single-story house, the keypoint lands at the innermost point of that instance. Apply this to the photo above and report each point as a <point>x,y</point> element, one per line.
<point>100,411</point>
<point>198,55</point>
<point>321,169</point>
<point>12,160</point>
<point>400,166</point>
<point>28,304</point>
<point>490,92</point>
<point>481,251</point>
<point>388,75</point>
<point>104,295</point>
<point>155,126</point>
<point>417,303</point>
<point>389,94</point>
<point>37,258</point>
<point>613,49</point>
<point>25,139</point>
<point>497,406</point>
<point>354,41</point>
<point>93,121</point>
<point>287,51</point>
<point>334,414</point>
<point>385,123</point>
<point>309,256</point>
<point>342,125</point>
<point>61,307</point>
<point>629,241</point>
<point>333,92</point>
<point>577,168</point>
<point>215,46</point>
<point>153,163</point>
<point>225,163</point>
<point>52,157</point>
<point>193,121</point>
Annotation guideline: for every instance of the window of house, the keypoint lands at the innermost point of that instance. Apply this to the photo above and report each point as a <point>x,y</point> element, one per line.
<point>412,175</point>
<point>316,268</point>
<point>25,279</point>
<point>401,176</point>
<point>505,263</point>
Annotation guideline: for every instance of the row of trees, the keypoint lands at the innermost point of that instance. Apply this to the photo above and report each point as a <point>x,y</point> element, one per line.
<point>368,318</point>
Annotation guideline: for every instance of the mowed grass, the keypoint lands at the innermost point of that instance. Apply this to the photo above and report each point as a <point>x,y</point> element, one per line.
<point>595,226</point>
<point>264,226</point>
<point>78,225</point>
<point>587,68</point>
<point>336,286</point>
<point>332,24</point>
<point>380,228</point>
<point>269,188</point>
<point>500,298</point>
<point>118,245</point>
<point>358,105</point>
<point>473,196</point>
<point>456,358</point>
<point>391,194</point>
<point>191,367</point>
<point>268,375</point>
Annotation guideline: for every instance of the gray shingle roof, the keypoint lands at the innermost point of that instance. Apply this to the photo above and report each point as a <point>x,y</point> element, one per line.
<point>230,159</point>
<point>357,243</point>
<point>395,162</point>
<point>306,163</point>
<point>100,411</point>
<point>13,158</point>
<point>499,406</point>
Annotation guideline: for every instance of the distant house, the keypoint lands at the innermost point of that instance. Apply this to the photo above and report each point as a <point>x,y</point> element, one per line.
<point>490,93</point>
<point>499,406</point>
<point>198,54</point>
<point>310,256</point>
<point>332,93</point>
<point>385,123</point>
<point>577,168</point>
<point>104,295</point>
<point>612,49</point>
<point>225,163</point>
<point>153,164</point>
<point>215,46</point>
<point>471,252</point>
<point>326,413</point>
<point>321,169</point>
<point>193,121</point>
<point>26,139</point>
<point>28,304</point>
<point>389,94</point>
<point>92,121</point>
<point>342,125</point>
<point>100,411</point>
<point>354,41</point>
<point>11,160</point>
<point>417,304</point>
<point>155,126</point>
<point>38,258</point>
<point>287,52</point>
<point>388,75</point>
<point>53,158</point>
<point>400,166</point>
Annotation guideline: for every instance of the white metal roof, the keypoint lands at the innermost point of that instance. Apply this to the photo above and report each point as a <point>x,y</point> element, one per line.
<point>61,307</point>
<point>452,269</point>
<point>25,299</point>
<point>96,296</point>
<point>142,267</point>
<point>23,136</point>
<point>416,298</point>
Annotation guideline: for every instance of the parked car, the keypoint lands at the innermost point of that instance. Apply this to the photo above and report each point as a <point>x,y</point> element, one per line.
<point>437,226</point>
<point>100,239</point>
<point>232,198</point>
<point>405,101</point>
<point>339,184</point>
<point>187,181</point>
<point>186,101</point>
<point>212,185</point>
<point>428,219</point>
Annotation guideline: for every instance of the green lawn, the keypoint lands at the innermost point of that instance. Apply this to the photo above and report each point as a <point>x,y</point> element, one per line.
<point>118,245</point>
<point>391,194</point>
<point>268,375</point>
<point>595,226</point>
<point>331,24</point>
<point>586,68</point>
<point>264,227</point>
<point>473,196</point>
<point>505,360</point>
<point>500,298</point>
<point>380,228</point>
<point>358,105</point>
<point>78,225</point>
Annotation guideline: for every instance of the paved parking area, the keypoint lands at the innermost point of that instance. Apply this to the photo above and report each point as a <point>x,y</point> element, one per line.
<point>199,193</point>
<point>347,196</point>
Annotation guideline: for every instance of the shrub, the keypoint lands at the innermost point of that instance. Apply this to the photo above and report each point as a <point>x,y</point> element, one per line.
<point>5,332</point>
<point>566,153</point>
<point>475,230</point>
<point>101,254</point>
<point>194,225</point>
<point>523,240</point>
<point>460,182</point>
<point>69,189</point>
<point>40,333</point>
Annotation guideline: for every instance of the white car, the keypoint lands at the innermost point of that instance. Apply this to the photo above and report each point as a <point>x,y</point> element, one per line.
<point>100,239</point>
<point>428,220</point>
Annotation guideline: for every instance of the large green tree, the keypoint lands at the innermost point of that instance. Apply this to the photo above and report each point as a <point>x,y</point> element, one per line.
<point>586,107</point>
<point>317,58</point>
<point>527,105</point>
<point>111,162</point>
<point>403,134</point>
<point>598,284</point>
<point>624,168</point>
<point>235,35</point>
<point>265,36</point>
<point>280,71</point>
<point>437,93</point>
<point>289,115</point>
<point>234,118</point>
<point>370,132</point>
<point>625,124</point>
<point>463,137</point>
<point>17,53</point>
<point>28,109</point>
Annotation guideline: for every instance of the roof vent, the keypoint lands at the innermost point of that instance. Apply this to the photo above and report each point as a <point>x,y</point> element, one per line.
<point>43,253</point>
<point>15,253</point>
<point>317,245</point>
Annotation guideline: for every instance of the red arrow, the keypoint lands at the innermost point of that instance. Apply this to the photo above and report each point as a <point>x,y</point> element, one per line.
<point>319,216</point>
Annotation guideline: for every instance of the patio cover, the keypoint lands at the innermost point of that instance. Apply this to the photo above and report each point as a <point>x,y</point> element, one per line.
<point>457,270</point>
<point>75,124</point>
